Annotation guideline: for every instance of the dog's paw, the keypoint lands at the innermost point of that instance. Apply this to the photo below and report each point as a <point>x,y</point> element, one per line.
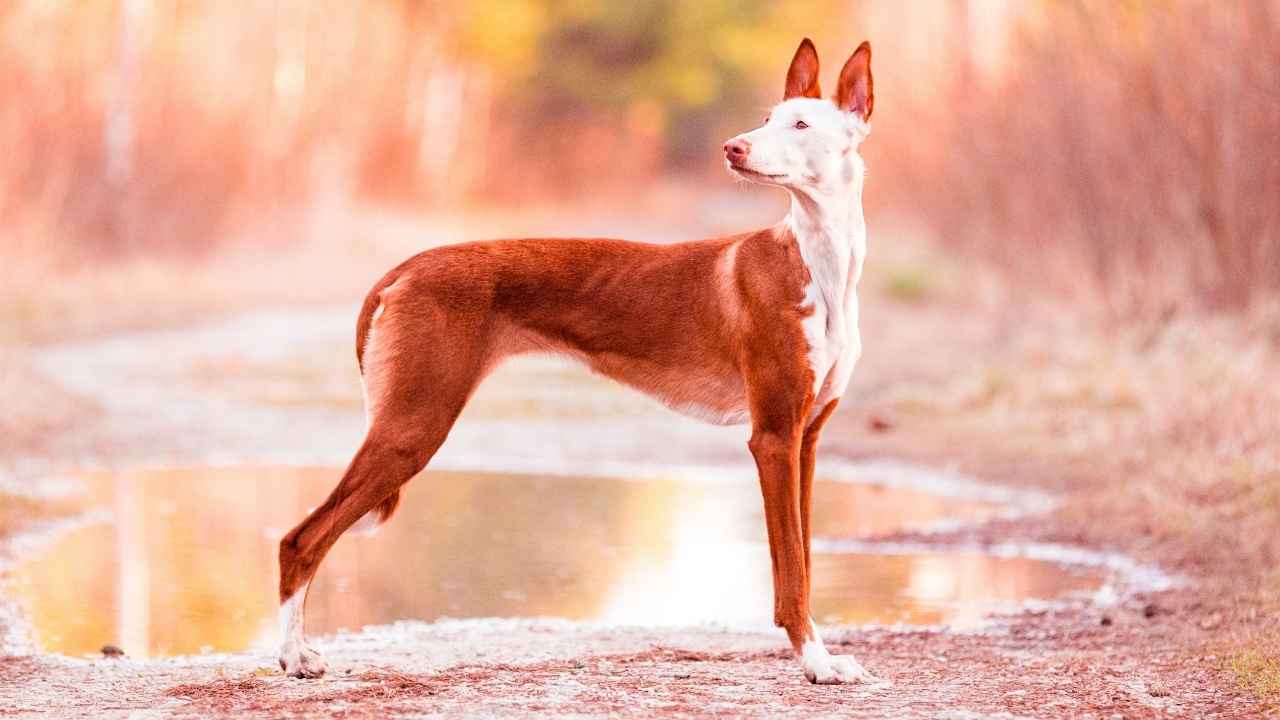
<point>299,661</point>
<point>837,670</point>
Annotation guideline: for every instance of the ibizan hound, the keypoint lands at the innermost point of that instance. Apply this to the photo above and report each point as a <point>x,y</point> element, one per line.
<point>760,327</point>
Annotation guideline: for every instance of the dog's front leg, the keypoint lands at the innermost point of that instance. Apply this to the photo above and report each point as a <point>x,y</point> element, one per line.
<point>777,452</point>
<point>777,455</point>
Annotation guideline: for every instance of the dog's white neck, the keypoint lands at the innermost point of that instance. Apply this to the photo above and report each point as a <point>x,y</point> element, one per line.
<point>829,228</point>
<point>828,224</point>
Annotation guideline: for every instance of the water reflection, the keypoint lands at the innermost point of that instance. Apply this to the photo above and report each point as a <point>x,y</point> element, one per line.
<point>189,564</point>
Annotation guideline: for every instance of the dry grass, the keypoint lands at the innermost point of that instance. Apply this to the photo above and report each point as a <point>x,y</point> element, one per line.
<point>1259,673</point>
<point>1174,422</point>
<point>1160,437</point>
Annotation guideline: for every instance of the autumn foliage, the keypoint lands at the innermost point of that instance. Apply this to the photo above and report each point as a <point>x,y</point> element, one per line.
<point>1120,152</point>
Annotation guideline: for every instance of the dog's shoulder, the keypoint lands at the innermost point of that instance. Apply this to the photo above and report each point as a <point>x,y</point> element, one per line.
<point>769,267</point>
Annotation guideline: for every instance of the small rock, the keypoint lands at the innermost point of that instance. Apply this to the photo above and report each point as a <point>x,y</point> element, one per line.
<point>1106,620</point>
<point>1157,690</point>
<point>683,676</point>
<point>1211,622</point>
<point>1150,610</point>
<point>880,423</point>
<point>112,651</point>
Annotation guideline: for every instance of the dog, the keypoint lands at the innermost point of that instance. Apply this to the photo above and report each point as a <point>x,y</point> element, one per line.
<point>760,327</point>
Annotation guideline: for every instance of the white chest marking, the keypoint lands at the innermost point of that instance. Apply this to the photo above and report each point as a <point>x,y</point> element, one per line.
<point>833,245</point>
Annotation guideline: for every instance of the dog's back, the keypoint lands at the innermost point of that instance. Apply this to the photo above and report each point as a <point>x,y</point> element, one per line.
<point>661,318</point>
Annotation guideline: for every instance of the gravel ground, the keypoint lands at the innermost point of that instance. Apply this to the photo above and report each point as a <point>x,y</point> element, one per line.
<point>1059,664</point>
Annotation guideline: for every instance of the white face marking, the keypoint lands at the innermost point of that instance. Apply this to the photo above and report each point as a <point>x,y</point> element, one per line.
<point>823,154</point>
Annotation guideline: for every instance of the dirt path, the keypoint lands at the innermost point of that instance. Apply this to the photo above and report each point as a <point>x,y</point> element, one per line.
<point>220,395</point>
<point>1061,664</point>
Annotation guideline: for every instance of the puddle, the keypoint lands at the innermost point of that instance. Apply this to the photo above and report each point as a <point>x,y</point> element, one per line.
<point>188,564</point>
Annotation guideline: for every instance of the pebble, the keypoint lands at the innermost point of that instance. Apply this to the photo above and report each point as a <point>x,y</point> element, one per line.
<point>880,423</point>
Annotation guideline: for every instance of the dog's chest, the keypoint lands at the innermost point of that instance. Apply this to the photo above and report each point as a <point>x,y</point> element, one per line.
<point>831,328</point>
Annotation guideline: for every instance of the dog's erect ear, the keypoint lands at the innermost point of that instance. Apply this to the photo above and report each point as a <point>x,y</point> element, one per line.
<point>854,91</point>
<point>802,77</point>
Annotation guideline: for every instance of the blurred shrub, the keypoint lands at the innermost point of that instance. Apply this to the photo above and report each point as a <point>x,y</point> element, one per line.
<point>1123,151</point>
<point>1128,151</point>
<point>150,127</point>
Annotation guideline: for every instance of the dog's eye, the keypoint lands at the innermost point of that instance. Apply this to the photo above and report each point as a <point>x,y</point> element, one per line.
<point>800,124</point>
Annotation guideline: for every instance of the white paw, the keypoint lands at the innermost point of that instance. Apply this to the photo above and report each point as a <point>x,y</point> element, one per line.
<point>836,670</point>
<point>849,670</point>
<point>298,660</point>
<point>823,668</point>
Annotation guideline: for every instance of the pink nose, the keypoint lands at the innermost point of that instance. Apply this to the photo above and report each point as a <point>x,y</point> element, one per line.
<point>737,150</point>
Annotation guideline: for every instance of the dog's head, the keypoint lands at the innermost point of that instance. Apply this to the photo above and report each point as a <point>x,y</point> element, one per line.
<point>808,141</point>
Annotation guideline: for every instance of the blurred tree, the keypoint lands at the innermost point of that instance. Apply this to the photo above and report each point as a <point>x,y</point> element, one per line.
<point>675,67</point>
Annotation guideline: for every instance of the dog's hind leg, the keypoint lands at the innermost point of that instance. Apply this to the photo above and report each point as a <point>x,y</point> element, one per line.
<point>417,398</point>
<point>378,470</point>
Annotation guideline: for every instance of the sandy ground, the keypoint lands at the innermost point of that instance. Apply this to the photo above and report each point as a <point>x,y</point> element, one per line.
<point>178,398</point>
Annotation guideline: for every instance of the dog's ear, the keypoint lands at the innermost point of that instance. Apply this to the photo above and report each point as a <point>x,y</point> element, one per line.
<point>802,77</point>
<point>854,91</point>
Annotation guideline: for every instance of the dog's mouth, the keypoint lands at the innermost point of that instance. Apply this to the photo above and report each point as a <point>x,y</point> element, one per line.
<point>748,172</point>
